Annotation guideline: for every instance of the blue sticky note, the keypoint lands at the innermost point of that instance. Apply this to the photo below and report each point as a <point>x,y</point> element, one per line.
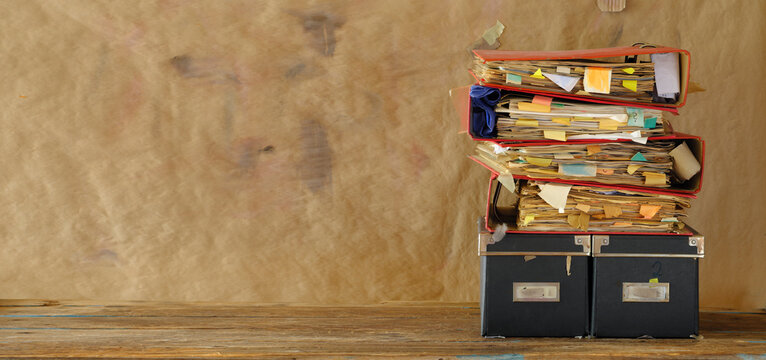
<point>577,169</point>
<point>650,123</point>
<point>512,78</point>
<point>638,157</point>
<point>635,117</point>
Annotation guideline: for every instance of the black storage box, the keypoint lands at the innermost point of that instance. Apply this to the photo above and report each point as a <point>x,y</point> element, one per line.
<point>646,285</point>
<point>534,284</point>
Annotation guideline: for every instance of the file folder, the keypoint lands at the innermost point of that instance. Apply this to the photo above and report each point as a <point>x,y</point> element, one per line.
<point>672,164</point>
<point>642,75</point>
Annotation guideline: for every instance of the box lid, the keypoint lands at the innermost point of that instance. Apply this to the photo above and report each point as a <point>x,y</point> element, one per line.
<point>532,244</point>
<point>659,245</point>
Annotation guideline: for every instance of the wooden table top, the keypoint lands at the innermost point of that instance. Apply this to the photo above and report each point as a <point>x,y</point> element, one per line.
<point>89,329</point>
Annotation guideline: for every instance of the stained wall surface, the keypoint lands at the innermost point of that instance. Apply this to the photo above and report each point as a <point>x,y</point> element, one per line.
<point>286,151</point>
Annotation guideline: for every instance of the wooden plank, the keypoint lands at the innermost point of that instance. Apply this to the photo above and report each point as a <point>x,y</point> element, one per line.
<point>39,328</point>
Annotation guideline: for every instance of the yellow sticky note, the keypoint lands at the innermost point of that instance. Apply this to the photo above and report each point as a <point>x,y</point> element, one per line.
<point>654,280</point>
<point>528,106</point>
<point>612,211</point>
<point>584,221</point>
<point>608,124</point>
<point>597,80</point>
<point>528,219</point>
<point>583,207</point>
<point>653,178</point>
<point>555,135</point>
<point>629,70</point>
<point>605,171</point>
<point>593,149</point>
<point>633,168</point>
<point>631,85</point>
<point>648,211</point>
<point>562,121</point>
<point>573,220</point>
<point>583,118</point>
<point>538,161</point>
<point>580,221</point>
<point>538,74</point>
<point>622,224</point>
<point>526,122</point>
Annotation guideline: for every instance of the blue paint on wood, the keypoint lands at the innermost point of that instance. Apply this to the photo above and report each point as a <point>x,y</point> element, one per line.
<point>752,357</point>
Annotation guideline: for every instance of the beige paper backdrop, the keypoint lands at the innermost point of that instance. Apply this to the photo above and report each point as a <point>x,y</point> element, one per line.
<point>285,151</point>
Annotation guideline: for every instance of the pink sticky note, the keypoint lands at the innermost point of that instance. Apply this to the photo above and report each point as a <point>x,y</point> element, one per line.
<point>542,100</point>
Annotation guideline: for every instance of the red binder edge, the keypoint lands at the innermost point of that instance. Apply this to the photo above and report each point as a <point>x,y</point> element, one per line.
<point>502,55</point>
<point>490,229</point>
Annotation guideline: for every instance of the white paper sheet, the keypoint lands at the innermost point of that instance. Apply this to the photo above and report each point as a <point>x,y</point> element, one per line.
<point>507,181</point>
<point>555,194</point>
<point>565,82</point>
<point>666,74</point>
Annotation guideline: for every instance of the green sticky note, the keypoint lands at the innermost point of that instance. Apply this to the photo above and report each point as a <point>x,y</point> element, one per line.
<point>512,79</point>
<point>635,117</point>
<point>577,169</point>
<point>650,123</point>
<point>638,157</point>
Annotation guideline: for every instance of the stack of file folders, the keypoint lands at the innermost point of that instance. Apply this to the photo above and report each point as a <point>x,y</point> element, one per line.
<point>580,142</point>
<point>606,151</point>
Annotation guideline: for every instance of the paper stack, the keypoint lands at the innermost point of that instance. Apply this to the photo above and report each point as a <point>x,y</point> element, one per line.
<point>590,186</point>
<point>591,208</point>
<point>521,118</point>
<point>617,79</point>
<point>642,74</point>
<point>577,163</point>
